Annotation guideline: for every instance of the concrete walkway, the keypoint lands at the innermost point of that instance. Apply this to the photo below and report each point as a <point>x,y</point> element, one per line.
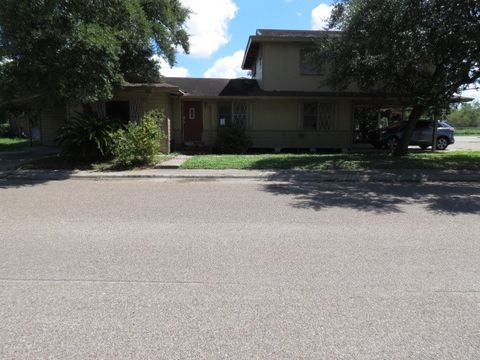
<point>174,163</point>
<point>259,175</point>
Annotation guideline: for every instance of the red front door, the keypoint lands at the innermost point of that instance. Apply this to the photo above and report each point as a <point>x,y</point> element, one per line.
<point>192,120</point>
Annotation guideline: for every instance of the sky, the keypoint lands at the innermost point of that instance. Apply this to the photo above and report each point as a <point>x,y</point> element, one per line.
<point>219,31</point>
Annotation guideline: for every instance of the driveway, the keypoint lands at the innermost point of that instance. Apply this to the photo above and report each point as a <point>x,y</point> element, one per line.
<point>10,160</point>
<point>239,270</point>
<point>466,143</point>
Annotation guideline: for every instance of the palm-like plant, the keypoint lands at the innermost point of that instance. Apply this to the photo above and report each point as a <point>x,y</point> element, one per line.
<point>87,137</point>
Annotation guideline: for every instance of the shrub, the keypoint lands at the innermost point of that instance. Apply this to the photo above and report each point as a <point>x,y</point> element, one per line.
<point>232,139</point>
<point>466,116</point>
<point>138,143</point>
<point>6,130</point>
<point>87,137</point>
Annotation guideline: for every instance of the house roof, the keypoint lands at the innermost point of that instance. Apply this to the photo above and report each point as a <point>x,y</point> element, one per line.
<point>293,34</point>
<point>461,99</point>
<point>271,35</point>
<point>165,87</point>
<point>202,87</point>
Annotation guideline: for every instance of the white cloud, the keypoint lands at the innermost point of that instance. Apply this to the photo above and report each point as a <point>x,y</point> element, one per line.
<point>229,67</point>
<point>168,71</point>
<point>320,16</point>
<point>473,94</point>
<point>208,25</point>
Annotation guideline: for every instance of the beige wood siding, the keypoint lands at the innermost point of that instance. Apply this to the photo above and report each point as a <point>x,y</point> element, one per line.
<point>281,69</point>
<point>278,123</point>
<point>209,134</point>
<point>51,120</point>
<point>275,115</point>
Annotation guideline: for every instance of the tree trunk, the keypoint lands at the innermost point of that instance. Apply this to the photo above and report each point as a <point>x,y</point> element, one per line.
<point>402,148</point>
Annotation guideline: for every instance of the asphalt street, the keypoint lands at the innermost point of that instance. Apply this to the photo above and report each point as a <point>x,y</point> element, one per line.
<point>150,269</point>
<point>466,143</point>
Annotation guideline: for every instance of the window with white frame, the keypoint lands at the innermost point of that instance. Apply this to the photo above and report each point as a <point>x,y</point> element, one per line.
<point>232,112</point>
<point>318,116</point>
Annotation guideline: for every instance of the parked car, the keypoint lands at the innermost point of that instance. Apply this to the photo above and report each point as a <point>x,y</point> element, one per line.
<point>445,124</point>
<point>422,135</point>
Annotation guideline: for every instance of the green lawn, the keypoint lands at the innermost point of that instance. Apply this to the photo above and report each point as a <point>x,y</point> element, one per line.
<point>454,160</point>
<point>7,144</point>
<point>467,131</point>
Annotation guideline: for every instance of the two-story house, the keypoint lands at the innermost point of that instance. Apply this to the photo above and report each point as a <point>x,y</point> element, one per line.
<point>286,103</point>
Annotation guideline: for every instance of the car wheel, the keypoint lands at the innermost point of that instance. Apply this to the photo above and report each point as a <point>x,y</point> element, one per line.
<point>442,143</point>
<point>392,143</point>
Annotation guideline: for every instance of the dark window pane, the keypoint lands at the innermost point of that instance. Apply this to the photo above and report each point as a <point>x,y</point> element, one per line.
<point>424,124</point>
<point>309,62</point>
<point>118,110</point>
<point>240,110</point>
<point>310,116</point>
<point>325,116</point>
<point>224,110</point>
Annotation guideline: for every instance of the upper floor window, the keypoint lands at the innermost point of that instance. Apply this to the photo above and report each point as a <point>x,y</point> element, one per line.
<point>318,116</point>
<point>309,62</point>
<point>233,112</point>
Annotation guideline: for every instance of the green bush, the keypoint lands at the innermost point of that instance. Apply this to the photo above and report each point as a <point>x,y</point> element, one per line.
<point>139,143</point>
<point>6,130</point>
<point>87,137</point>
<point>468,115</point>
<point>232,139</point>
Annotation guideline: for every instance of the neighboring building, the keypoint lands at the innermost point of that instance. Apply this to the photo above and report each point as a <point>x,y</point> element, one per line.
<point>286,104</point>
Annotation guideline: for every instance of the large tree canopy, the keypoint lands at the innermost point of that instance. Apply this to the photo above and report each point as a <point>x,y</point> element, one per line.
<point>79,50</point>
<point>424,50</point>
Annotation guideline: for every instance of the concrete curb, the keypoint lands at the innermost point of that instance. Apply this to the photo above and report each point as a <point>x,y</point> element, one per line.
<point>407,176</point>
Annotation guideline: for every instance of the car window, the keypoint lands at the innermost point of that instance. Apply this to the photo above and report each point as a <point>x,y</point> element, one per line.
<point>423,124</point>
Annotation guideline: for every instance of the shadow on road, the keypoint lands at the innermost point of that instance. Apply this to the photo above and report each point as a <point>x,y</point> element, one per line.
<point>11,160</point>
<point>438,198</point>
<point>7,182</point>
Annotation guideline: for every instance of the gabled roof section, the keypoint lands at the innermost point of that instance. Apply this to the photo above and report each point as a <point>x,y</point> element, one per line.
<point>202,87</point>
<point>217,88</point>
<point>271,35</point>
<point>163,87</point>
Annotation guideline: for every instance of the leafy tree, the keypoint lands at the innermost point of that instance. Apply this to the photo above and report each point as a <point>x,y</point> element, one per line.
<point>424,50</point>
<point>466,116</point>
<point>81,50</point>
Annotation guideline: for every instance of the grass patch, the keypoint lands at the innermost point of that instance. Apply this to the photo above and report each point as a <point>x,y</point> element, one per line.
<point>9,144</point>
<point>467,131</point>
<point>455,160</point>
<point>59,162</point>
